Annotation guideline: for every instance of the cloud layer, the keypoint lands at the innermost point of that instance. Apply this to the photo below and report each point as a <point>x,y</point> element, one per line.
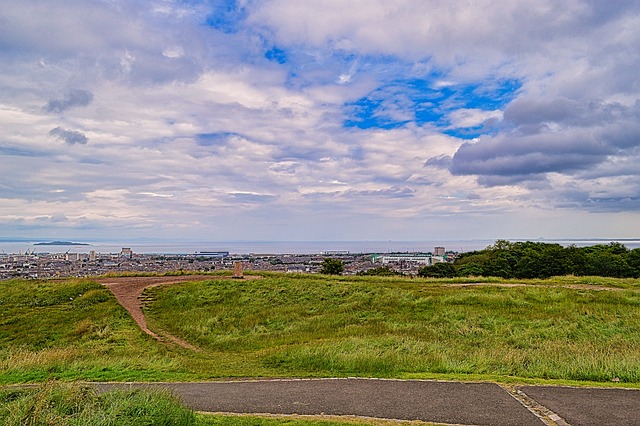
<point>330,120</point>
<point>73,98</point>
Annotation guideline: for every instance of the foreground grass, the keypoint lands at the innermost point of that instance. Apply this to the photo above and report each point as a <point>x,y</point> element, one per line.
<point>57,404</point>
<point>71,404</point>
<point>562,330</point>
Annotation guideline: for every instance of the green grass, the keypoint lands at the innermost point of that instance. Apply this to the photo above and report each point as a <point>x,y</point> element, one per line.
<point>317,326</point>
<point>75,329</point>
<point>70,404</point>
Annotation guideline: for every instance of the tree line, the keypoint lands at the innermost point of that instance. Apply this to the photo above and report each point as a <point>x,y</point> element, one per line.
<point>541,260</point>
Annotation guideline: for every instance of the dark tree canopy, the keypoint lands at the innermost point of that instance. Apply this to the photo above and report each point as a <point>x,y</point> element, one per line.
<point>438,270</point>
<point>543,260</point>
<point>332,266</point>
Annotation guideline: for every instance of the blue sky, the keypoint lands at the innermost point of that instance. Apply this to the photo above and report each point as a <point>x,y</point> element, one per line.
<point>326,120</point>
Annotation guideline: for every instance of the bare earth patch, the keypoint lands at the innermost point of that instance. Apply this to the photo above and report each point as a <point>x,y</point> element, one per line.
<point>128,290</point>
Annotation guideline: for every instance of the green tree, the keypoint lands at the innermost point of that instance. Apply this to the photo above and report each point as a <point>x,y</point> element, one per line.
<point>539,260</point>
<point>575,260</point>
<point>332,266</point>
<point>438,270</point>
<point>607,264</point>
<point>633,260</point>
<point>470,269</point>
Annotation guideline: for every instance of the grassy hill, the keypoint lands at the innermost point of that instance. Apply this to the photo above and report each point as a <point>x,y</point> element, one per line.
<point>564,330</point>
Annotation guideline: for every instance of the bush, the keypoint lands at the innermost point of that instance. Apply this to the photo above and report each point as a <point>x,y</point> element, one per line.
<point>438,270</point>
<point>332,267</point>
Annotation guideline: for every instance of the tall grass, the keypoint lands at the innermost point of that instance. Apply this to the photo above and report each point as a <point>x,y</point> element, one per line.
<point>302,325</point>
<point>394,328</point>
<point>72,404</point>
<point>74,329</point>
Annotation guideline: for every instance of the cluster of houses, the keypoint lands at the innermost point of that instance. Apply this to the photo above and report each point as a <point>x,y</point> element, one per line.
<point>48,265</point>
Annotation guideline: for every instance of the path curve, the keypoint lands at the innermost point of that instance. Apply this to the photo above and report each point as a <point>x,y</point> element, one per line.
<point>128,290</point>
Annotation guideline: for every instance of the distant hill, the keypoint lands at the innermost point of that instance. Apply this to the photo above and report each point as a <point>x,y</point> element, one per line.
<point>60,243</point>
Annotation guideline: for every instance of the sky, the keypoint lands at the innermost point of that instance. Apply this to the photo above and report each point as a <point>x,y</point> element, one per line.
<point>289,120</point>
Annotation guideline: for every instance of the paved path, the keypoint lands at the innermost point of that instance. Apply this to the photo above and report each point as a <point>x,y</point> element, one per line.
<point>589,406</point>
<point>432,401</point>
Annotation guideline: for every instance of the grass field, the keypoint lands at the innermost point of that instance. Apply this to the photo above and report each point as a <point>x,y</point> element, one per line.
<point>562,330</point>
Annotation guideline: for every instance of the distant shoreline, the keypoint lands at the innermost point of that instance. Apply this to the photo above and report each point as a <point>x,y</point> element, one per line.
<point>281,247</point>
<point>60,243</point>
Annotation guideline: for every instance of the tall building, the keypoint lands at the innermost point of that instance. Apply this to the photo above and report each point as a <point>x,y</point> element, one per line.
<point>72,256</point>
<point>126,252</point>
<point>438,251</point>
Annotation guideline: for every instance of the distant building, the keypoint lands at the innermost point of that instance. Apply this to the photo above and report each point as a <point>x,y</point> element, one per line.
<point>420,258</point>
<point>92,256</point>
<point>72,256</point>
<point>438,251</point>
<point>126,252</point>
<point>213,254</point>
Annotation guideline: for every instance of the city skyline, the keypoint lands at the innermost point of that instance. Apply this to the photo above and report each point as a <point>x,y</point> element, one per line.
<point>353,120</point>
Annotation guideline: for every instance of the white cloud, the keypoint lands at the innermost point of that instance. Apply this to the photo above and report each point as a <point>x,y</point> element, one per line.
<point>470,117</point>
<point>188,125</point>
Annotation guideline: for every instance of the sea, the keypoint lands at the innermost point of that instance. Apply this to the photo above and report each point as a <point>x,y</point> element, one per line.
<point>279,247</point>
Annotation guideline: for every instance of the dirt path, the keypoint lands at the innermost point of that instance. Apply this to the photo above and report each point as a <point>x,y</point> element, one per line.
<point>128,290</point>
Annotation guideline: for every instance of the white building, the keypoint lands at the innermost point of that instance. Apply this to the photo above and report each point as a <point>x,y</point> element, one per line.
<point>419,258</point>
<point>74,257</point>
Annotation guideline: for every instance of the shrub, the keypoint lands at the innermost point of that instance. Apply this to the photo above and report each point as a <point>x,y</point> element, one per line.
<point>438,270</point>
<point>332,266</point>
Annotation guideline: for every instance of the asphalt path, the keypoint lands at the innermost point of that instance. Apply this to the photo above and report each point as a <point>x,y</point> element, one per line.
<point>442,402</point>
<point>589,406</point>
<point>458,403</point>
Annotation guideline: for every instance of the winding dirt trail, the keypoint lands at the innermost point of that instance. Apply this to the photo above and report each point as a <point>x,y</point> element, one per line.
<point>128,290</point>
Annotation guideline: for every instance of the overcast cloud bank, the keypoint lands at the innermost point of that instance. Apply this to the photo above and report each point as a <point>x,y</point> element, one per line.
<point>327,120</point>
